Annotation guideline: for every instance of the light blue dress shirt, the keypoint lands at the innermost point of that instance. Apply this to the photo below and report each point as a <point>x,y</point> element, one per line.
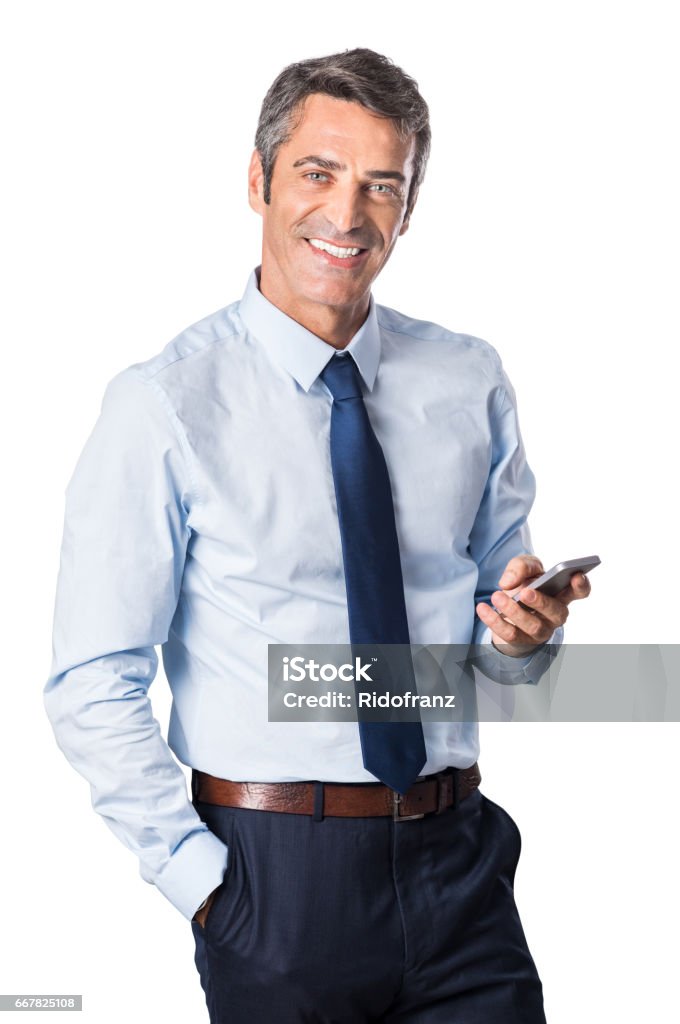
<point>201,517</point>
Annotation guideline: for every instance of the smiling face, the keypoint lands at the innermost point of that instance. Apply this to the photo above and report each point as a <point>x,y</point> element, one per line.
<point>338,204</point>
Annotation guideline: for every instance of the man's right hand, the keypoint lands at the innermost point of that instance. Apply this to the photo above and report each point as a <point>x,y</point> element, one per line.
<point>201,915</point>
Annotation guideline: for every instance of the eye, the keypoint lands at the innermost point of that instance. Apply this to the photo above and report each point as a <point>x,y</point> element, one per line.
<point>383,189</point>
<point>316,176</point>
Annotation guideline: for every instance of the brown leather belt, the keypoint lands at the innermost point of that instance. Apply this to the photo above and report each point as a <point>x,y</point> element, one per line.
<point>432,794</point>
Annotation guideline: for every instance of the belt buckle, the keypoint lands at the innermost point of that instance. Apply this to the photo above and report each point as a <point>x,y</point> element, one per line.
<point>396,805</point>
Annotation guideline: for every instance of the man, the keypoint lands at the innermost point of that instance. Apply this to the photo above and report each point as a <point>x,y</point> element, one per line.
<point>306,466</point>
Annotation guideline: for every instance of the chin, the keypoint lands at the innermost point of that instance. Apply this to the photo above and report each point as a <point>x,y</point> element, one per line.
<point>329,295</point>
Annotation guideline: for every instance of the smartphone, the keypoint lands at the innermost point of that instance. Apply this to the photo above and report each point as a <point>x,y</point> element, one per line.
<point>557,578</point>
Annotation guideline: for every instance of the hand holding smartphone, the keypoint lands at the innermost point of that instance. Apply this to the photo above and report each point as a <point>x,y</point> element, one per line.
<point>557,578</point>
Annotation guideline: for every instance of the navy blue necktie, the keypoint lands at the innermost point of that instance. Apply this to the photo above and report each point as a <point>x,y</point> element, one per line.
<point>392,751</point>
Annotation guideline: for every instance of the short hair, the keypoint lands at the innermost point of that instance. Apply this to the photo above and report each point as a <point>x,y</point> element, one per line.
<point>358,75</point>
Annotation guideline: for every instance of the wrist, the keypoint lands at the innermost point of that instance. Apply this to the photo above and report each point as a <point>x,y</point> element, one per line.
<point>515,650</point>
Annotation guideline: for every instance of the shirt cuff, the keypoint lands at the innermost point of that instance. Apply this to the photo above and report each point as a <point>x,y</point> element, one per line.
<point>503,668</point>
<point>196,868</point>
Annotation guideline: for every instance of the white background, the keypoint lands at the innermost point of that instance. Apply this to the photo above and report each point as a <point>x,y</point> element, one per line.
<point>548,224</point>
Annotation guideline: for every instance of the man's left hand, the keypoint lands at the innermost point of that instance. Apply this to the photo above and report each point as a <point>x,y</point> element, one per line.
<point>516,630</point>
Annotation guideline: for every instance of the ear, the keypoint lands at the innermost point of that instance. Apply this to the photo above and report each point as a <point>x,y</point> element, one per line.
<point>407,219</point>
<point>256,183</point>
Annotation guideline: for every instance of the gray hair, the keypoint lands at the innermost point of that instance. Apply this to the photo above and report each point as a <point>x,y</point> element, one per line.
<point>360,75</point>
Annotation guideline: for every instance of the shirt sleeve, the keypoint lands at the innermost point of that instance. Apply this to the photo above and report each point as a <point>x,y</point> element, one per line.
<point>501,531</point>
<point>124,544</point>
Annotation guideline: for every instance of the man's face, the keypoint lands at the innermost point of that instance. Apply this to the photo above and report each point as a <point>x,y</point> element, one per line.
<point>341,180</point>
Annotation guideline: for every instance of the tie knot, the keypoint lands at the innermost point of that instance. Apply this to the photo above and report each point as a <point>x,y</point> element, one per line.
<point>341,377</point>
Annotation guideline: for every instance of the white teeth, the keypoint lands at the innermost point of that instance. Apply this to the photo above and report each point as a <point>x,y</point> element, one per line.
<point>334,250</point>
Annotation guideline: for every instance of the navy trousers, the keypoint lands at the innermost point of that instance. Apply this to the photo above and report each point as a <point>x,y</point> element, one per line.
<point>357,920</point>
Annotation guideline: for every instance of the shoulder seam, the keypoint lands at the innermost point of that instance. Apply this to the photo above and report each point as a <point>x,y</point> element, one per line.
<point>495,370</point>
<point>396,330</point>
<point>497,365</point>
<point>185,355</point>
<point>458,334</point>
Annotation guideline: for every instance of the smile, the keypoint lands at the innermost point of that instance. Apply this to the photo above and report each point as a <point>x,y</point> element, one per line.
<point>334,250</point>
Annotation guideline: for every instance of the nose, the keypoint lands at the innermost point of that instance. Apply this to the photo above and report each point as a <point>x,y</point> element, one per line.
<point>344,208</point>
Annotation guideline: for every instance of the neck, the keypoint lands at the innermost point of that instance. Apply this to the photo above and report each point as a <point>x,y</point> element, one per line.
<point>336,325</point>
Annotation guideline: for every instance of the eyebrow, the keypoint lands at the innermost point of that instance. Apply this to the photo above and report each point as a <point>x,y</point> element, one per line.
<point>334,165</point>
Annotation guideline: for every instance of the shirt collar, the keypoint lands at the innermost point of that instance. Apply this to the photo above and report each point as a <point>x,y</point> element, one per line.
<point>296,349</point>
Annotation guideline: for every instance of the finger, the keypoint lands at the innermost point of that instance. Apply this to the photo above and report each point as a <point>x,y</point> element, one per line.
<point>534,624</point>
<point>553,609</point>
<point>519,569</point>
<point>508,631</point>
<point>525,583</point>
<point>504,632</point>
<point>578,588</point>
